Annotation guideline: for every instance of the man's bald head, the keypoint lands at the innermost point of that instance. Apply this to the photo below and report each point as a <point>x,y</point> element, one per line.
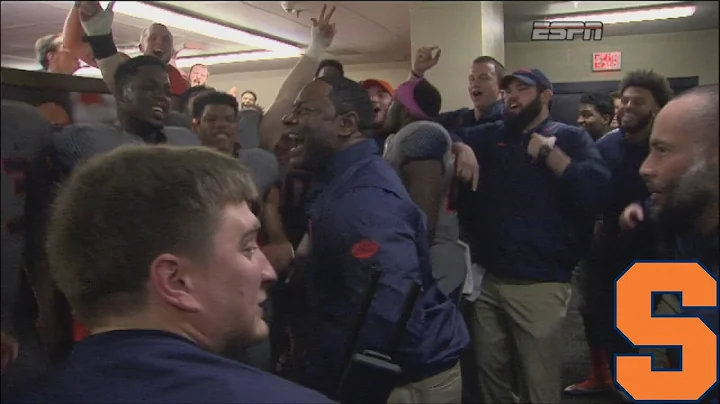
<point>156,26</point>
<point>156,40</point>
<point>700,106</point>
<point>681,171</point>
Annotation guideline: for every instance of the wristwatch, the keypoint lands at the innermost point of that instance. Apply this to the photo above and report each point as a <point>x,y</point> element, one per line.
<point>544,152</point>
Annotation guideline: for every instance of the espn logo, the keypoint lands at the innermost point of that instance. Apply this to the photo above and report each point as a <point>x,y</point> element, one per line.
<point>566,30</point>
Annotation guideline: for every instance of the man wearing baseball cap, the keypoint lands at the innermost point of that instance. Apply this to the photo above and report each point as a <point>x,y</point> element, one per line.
<point>381,95</point>
<point>544,183</point>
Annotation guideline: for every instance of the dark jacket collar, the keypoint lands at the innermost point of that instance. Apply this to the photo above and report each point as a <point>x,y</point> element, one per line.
<point>345,159</point>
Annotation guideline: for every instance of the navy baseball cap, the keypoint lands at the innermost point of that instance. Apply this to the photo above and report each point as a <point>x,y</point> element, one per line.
<point>532,77</point>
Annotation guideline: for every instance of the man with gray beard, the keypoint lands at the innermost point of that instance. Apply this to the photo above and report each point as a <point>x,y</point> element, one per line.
<point>684,193</point>
<point>681,173</point>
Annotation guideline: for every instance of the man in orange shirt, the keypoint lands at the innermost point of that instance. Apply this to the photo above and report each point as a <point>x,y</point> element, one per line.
<point>156,40</point>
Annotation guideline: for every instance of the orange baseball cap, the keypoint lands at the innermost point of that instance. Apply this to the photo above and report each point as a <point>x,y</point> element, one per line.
<point>367,84</point>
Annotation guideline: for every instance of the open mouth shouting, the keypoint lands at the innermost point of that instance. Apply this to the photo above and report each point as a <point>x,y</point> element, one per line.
<point>159,111</point>
<point>297,143</point>
<point>158,53</point>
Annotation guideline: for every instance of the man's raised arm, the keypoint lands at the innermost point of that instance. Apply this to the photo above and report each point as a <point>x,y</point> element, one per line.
<point>73,38</point>
<point>322,34</point>
<point>97,23</point>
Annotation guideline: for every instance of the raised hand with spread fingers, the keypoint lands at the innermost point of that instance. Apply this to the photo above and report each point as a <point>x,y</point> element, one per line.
<point>322,33</point>
<point>96,20</point>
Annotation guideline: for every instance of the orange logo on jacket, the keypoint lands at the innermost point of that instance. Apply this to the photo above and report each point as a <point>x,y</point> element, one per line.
<point>364,249</point>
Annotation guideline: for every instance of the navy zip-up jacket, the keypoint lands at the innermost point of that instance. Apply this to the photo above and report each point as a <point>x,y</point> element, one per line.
<point>536,226</point>
<point>614,251</point>
<point>362,219</point>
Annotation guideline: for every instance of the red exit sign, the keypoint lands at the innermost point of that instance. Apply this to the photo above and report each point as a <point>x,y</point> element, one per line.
<point>607,61</point>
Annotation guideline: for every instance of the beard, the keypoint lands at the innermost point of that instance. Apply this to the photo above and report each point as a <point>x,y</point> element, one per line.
<point>516,122</point>
<point>316,154</point>
<point>642,122</point>
<point>687,199</point>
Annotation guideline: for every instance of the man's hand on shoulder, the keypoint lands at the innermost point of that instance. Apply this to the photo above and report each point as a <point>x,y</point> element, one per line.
<point>467,168</point>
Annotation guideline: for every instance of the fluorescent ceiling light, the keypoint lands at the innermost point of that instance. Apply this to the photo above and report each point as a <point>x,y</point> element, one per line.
<point>206,28</point>
<point>619,17</point>
<point>210,60</point>
<point>187,62</point>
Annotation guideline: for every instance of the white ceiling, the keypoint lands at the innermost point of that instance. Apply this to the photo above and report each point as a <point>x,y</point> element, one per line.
<point>24,21</point>
<point>368,32</point>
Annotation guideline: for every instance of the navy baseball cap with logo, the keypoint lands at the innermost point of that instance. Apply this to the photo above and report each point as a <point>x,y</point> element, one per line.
<point>531,77</point>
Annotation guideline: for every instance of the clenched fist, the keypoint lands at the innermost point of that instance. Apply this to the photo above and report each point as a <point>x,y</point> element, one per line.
<point>425,59</point>
<point>633,215</point>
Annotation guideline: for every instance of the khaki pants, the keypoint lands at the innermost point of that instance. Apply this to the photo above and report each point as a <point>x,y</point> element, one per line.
<point>517,331</point>
<point>443,388</point>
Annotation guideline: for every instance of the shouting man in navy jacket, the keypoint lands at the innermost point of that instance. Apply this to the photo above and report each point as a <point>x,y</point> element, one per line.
<point>543,184</point>
<point>362,220</point>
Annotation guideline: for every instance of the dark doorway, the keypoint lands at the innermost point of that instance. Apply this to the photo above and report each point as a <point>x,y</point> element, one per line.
<point>566,96</point>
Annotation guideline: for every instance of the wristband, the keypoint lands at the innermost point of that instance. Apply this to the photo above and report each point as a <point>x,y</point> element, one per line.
<point>315,52</point>
<point>103,46</point>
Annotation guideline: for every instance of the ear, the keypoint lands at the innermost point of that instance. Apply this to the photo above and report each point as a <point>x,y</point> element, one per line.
<point>607,119</point>
<point>195,124</point>
<point>172,280</point>
<point>140,47</point>
<point>546,96</point>
<point>349,123</point>
<point>120,95</point>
